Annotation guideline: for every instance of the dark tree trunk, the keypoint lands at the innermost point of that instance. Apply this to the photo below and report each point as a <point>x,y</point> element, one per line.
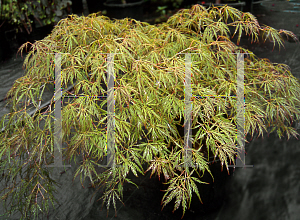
<point>77,7</point>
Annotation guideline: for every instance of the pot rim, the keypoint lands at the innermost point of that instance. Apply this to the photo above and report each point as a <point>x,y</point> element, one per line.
<point>123,5</point>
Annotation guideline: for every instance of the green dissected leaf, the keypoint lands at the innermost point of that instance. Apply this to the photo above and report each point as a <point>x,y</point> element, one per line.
<point>149,101</point>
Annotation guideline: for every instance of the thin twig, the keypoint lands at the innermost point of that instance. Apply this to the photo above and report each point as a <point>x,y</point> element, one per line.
<point>2,23</point>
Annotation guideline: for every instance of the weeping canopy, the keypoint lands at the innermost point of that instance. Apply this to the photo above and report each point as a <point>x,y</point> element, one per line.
<point>149,68</point>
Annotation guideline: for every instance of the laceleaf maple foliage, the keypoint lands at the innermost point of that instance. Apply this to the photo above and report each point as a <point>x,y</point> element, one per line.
<point>149,66</point>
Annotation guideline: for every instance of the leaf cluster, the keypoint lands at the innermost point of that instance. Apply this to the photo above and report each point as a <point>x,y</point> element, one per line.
<point>149,70</point>
<point>18,12</point>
